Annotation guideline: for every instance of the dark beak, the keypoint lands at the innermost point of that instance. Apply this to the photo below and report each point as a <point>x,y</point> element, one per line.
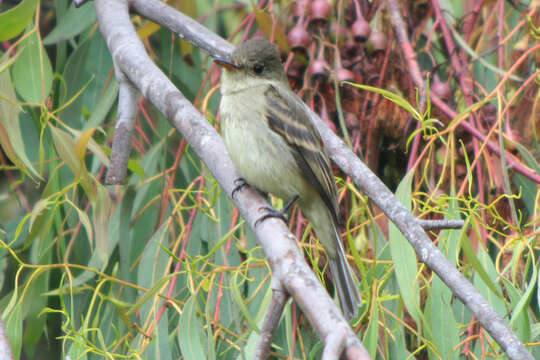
<point>226,63</point>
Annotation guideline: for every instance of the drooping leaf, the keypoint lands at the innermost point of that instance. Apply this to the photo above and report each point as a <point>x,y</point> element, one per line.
<point>72,23</point>
<point>88,69</point>
<point>404,256</point>
<point>32,72</point>
<point>14,20</point>
<point>190,332</point>
<point>265,24</point>
<point>11,138</point>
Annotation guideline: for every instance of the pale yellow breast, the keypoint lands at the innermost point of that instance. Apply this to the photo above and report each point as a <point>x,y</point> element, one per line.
<point>261,156</point>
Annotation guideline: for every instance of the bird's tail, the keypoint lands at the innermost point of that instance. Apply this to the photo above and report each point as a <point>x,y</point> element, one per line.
<point>348,293</point>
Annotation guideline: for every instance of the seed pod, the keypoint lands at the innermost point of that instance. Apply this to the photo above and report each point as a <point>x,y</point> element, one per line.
<point>377,41</point>
<point>300,9</point>
<point>298,38</point>
<point>320,11</point>
<point>441,89</point>
<point>361,30</point>
<point>344,74</point>
<point>318,69</point>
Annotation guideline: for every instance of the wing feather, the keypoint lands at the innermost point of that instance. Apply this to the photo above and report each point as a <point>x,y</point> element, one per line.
<point>289,119</point>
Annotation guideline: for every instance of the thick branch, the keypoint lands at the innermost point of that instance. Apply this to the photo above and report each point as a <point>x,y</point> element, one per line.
<point>271,320</point>
<point>125,125</point>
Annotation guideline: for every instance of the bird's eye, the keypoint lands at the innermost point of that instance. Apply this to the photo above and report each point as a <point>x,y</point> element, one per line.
<point>258,68</point>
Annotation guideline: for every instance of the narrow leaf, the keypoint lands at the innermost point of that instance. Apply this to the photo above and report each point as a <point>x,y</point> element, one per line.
<point>11,138</point>
<point>32,72</point>
<point>191,333</point>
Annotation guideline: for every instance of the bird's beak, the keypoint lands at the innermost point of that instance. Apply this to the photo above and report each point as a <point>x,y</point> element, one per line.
<point>226,63</point>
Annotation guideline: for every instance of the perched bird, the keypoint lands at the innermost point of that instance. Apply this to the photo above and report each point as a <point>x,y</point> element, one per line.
<point>268,134</point>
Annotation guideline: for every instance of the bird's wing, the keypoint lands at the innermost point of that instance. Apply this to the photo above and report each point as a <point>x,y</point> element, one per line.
<point>288,118</point>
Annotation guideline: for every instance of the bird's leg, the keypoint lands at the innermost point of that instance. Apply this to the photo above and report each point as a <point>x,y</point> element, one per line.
<point>238,184</point>
<point>271,212</point>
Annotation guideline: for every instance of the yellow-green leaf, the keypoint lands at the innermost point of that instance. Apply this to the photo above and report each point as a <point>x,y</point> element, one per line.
<point>11,138</point>
<point>67,149</point>
<point>32,72</point>
<point>265,24</point>
<point>82,143</point>
<point>102,215</point>
<point>13,21</point>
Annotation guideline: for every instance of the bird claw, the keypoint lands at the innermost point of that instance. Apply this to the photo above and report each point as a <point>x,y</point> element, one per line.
<point>238,184</point>
<point>271,212</point>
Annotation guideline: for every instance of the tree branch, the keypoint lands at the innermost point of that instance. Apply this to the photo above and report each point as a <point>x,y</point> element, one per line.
<point>123,132</point>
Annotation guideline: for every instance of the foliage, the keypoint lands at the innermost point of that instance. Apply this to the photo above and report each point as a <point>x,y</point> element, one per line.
<point>163,267</point>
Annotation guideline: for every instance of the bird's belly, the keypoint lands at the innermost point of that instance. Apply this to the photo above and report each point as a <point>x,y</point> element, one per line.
<point>261,156</point>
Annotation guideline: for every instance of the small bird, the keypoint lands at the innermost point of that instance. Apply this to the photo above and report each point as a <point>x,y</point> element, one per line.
<point>267,130</point>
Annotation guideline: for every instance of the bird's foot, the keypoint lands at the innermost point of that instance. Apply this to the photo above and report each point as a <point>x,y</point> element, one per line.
<point>238,184</point>
<point>271,212</point>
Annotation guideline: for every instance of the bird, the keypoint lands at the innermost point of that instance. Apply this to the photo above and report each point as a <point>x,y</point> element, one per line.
<point>272,142</point>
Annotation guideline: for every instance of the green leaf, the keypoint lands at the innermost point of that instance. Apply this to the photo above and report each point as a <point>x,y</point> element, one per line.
<point>486,284</point>
<point>14,329</point>
<point>89,68</point>
<point>240,302</point>
<point>152,291</point>
<point>474,57</point>
<point>72,23</point>
<point>210,349</point>
<point>35,325</point>
<point>395,98</point>
<point>404,256</point>
<point>103,106</point>
<point>11,138</point>
<point>520,321</point>
<point>67,149</point>
<point>443,325</point>
<point>101,218</point>
<point>125,242</point>
<point>93,146</point>
<point>477,265</point>
<point>152,268</point>
<point>32,72</point>
<point>521,301</point>
<point>83,218</point>
<point>190,332</point>
<point>14,21</point>
<point>159,348</point>
<point>371,336</point>
<point>527,156</point>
